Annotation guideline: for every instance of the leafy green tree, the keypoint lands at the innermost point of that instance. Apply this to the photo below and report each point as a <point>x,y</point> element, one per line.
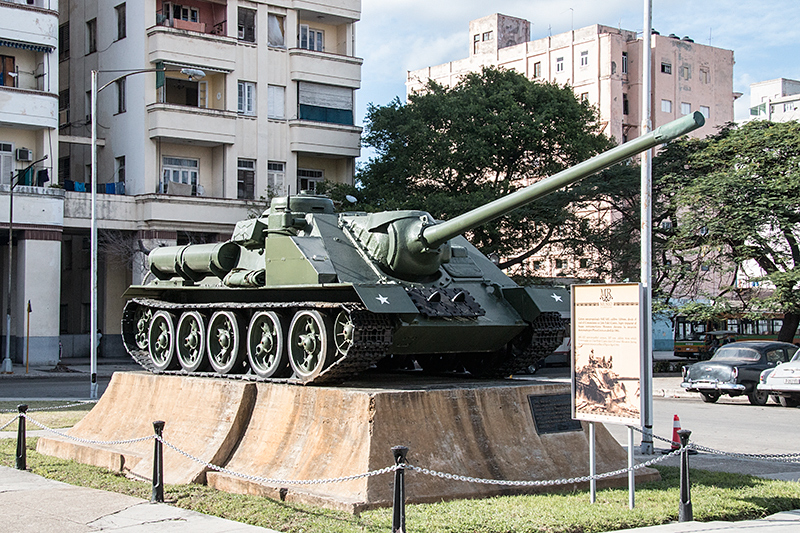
<point>738,205</point>
<point>449,150</point>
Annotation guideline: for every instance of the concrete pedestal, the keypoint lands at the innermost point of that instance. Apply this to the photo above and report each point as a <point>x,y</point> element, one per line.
<point>471,428</point>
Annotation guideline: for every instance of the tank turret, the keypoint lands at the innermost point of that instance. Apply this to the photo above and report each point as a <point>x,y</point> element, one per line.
<point>308,295</point>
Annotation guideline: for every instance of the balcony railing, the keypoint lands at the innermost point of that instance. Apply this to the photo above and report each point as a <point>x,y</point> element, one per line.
<point>44,4</point>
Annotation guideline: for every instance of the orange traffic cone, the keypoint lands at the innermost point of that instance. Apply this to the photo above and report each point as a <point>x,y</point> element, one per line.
<point>676,426</point>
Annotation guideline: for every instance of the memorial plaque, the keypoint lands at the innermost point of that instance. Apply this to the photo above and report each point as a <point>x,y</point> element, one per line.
<point>553,413</point>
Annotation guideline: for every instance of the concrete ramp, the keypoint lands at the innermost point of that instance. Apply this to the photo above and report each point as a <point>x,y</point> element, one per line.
<point>204,417</point>
<point>476,429</point>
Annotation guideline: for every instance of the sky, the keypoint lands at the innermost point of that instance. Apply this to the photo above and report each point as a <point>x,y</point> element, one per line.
<point>395,36</point>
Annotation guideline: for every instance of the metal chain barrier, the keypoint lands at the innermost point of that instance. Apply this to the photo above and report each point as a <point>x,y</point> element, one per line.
<point>259,479</point>
<point>54,408</point>
<point>541,483</point>
<point>86,441</point>
<point>4,426</point>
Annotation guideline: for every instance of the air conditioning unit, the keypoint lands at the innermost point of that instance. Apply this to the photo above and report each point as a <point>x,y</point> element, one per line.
<point>23,154</point>
<point>63,117</point>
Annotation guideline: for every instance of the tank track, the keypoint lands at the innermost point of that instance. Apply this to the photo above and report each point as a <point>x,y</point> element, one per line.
<point>372,337</point>
<point>548,333</point>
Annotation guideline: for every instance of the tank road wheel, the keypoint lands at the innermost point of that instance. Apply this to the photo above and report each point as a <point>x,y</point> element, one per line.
<point>343,329</point>
<point>265,349</point>
<point>191,341</point>
<point>308,344</point>
<point>222,343</point>
<point>142,319</point>
<point>160,341</point>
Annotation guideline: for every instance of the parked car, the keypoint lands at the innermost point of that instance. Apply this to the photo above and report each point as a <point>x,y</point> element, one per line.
<point>736,369</point>
<point>783,382</point>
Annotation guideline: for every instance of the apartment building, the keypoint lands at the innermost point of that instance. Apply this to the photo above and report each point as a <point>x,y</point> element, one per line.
<point>776,100</point>
<point>31,218</point>
<point>603,65</point>
<point>205,110</point>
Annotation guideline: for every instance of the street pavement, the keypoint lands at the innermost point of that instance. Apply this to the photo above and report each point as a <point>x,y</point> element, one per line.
<point>30,503</point>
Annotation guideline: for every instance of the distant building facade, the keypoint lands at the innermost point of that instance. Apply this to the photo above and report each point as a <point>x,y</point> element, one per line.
<point>603,65</point>
<point>776,100</point>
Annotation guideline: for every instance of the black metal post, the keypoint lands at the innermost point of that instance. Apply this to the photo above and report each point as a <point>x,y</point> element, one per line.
<point>399,503</point>
<point>685,509</point>
<point>22,454</point>
<point>158,465</point>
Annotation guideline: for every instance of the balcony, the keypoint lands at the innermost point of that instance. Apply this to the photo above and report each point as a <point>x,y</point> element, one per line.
<point>325,68</point>
<point>15,23</point>
<point>324,138</point>
<point>193,15</point>
<point>191,125</point>
<point>28,108</point>
<point>347,9</point>
<point>170,45</point>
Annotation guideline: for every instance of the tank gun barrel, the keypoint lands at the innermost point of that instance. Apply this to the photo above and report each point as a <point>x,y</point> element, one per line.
<point>437,234</point>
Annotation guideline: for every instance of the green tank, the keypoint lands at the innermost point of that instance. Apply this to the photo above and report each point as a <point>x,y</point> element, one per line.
<point>305,295</point>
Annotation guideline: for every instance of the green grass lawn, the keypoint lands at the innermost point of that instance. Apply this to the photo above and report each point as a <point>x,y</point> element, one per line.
<point>715,496</point>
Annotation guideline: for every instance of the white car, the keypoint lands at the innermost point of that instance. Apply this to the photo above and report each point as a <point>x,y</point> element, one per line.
<point>783,382</point>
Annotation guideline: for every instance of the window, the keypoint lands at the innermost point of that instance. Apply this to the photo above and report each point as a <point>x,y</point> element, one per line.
<point>488,36</point>
<point>666,106</point>
<point>6,162</point>
<point>613,67</point>
<point>537,69</point>
<point>276,175</point>
<point>705,111</point>
<point>585,263</point>
<point>310,39</point>
<point>685,72</point>
<point>476,40</point>
<point>560,64</point>
<point>179,12</point>
<point>122,30</point>
<point>8,71</point>
<point>63,100</point>
<point>246,179</point>
<point>121,96</point>
<point>666,68</point>
<point>625,104</point>
<point>91,36</point>
<point>120,164</point>
<point>276,30</point>
<point>179,176</point>
<point>88,107</point>
<point>325,103</point>
<point>276,102</point>
<point>247,98</point>
<point>788,106</point>
<point>624,62</point>
<point>584,58</point>
<point>247,25</point>
<point>686,108</point>
<point>560,263</point>
<point>307,179</point>
<point>63,42</point>
<point>584,97</point>
<point>705,75</point>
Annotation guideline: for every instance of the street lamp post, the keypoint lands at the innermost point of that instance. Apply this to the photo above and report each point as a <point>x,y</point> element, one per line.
<point>93,341</point>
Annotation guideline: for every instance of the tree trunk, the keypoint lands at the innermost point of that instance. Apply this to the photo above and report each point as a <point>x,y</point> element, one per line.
<point>790,323</point>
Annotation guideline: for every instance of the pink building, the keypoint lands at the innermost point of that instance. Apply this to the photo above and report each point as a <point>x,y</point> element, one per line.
<point>603,65</point>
